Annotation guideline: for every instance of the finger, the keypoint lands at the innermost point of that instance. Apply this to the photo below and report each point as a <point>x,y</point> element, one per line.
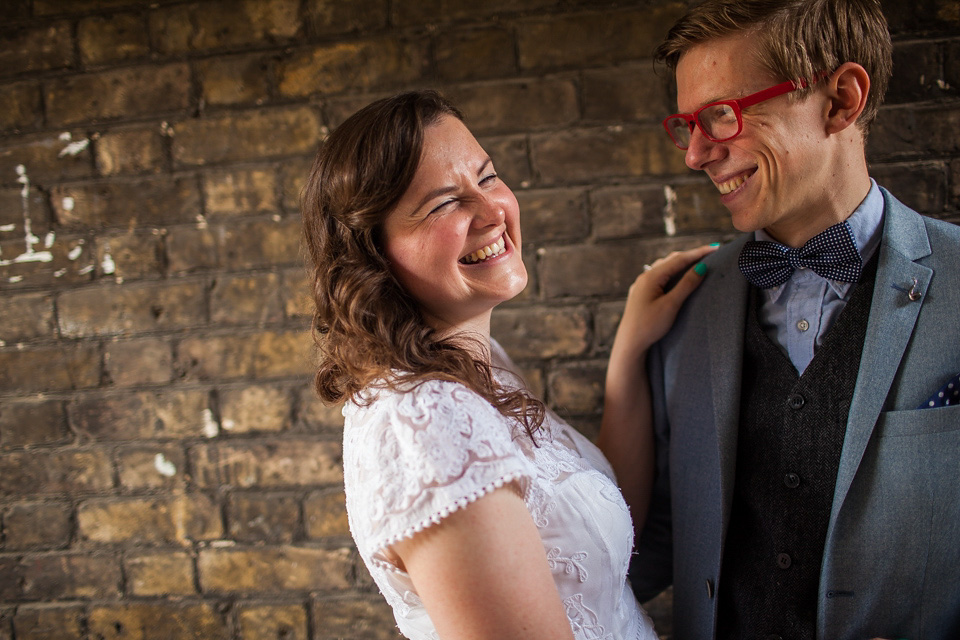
<point>687,284</point>
<point>668,267</point>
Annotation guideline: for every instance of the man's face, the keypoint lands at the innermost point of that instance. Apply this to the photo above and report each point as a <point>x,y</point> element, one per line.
<point>775,175</point>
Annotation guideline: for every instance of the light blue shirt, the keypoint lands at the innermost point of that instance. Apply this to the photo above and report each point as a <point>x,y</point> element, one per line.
<point>797,314</point>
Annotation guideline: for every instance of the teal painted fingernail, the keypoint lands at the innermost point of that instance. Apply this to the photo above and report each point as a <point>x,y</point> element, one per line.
<point>714,244</point>
<point>700,269</point>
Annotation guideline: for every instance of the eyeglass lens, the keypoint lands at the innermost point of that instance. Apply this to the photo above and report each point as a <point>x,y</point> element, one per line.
<point>718,121</point>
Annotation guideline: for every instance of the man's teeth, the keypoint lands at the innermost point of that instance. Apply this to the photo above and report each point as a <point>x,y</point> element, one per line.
<point>730,185</point>
<point>480,255</point>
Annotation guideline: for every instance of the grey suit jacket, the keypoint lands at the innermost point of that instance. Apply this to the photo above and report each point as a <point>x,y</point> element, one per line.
<point>891,565</point>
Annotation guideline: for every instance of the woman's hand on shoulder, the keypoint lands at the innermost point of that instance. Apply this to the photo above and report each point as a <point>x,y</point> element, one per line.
<point>482,573</point>
<point>651,308</point>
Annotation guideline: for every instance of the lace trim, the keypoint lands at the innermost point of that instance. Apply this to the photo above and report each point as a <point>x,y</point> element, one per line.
<point>437,518</point>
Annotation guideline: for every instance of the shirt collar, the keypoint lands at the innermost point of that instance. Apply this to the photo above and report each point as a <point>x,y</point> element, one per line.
<point>866,222</point>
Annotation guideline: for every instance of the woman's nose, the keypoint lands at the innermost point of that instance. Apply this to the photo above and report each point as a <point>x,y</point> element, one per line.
<point>490,212</point>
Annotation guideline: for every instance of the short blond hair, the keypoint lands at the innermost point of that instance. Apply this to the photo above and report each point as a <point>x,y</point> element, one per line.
<point>797,39</point>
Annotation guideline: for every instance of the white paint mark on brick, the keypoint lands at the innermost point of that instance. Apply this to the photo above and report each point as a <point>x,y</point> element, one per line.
<point>59,273</point>
<point>8,227</point>
<point>107,264</point>
<point>163,466</point>
<point>75,252</point>
<point>14,279</point>
<point>943,85</point>
<point>210,428</point>
<point>66,136</point>
<point>228,424</point>
<point>68,203</point>
<point>669,215</point>
<point>74,148</point>
<point>48,239</point>
<point>85,270</point>
<point>28,238</point>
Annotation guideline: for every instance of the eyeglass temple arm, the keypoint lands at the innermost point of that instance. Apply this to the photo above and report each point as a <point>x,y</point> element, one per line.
<point>772,92</point>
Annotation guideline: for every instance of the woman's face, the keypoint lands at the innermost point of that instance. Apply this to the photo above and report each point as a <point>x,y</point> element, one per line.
<point>453,239</point>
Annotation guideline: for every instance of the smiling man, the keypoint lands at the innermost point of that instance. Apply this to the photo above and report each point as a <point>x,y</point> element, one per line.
<point>807,454</point>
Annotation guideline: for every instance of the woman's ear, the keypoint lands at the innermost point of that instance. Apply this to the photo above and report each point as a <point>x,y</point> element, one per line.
<point>847,89</point>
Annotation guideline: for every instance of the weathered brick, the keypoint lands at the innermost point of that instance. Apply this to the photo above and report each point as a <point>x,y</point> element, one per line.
<point>258,518</point>
<point>266,464</point>
<point>64,576</point>
<point>256,408</point>
<point>315,415</point>
<point>95,97</point>
<point>577,388</point>
<point>167,573</point>
<point>36,525</point>
<point>11,574</point>
<point>26,473</point>
<point>15,10</point>
<point>917,66</point>
<point>46,158</point>
<point>510,155</point>
<point>49,368</point>
<point>132,308</point>
<point>620,212</point>
<point>240,192</point>
<point>48,622</point>
<point>553,215</point>
<point>26,317</point>
<point>261,355</point>
<point>541,332</point>
<point>911,131</point>
<point>161,466</point>
<point>935,16</point>
<point>141,361</point>
<point>328,17</point>
<point>601,269</point>
<point>117,38</point>
<point>571,39</point>
<point>325,514</point>
<point>57,7</point>
<point>157,620</point>
<point>17,211</point>
<point>606,320</point>
<point>55,260</point>
<point>293,177</point>
<point>286,568</point>
<point>295,293</point>
<point>159,200</point>
<point>245,299</point>
<point>287,621</point>
<point>595,154</point>
<point>374,64</point>
<point>39,48</point>
<point>246,135</point>
<point>951,68</point>
<point>6,623</point>
<point>920,186</point>
<point>694,208</point>
<point>20,107</point>
<point>627,93</point>
<point>131,255</point>
<point>191,248</point>
<point>432,11</point>
<point>368,617</point>
<point>457,53</point>
<point>179,520</point>
<point>509,107</point>
<point>146,414</point>
<point>30,422</point>
<point>131,151</point>
<point>231,80</point>
<point>222,23</point>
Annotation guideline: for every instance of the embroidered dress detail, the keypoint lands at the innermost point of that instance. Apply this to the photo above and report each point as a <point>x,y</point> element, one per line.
<point>412,457</point>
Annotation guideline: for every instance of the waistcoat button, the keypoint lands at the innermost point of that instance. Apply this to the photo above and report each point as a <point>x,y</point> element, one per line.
<point>792,480</point>
<point>784,561</point>
<point>795,401</point>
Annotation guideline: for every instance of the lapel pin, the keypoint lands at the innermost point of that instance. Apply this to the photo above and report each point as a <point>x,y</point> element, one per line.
<point>914,293</point>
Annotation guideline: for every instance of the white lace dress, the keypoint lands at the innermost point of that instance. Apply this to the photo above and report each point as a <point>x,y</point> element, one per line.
<point>411,458</point>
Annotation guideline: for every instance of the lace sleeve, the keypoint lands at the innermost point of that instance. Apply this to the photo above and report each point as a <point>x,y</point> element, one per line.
<point>412,458</point>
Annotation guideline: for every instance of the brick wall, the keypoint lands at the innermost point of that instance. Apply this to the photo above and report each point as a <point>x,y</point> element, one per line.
<point>165,471</point>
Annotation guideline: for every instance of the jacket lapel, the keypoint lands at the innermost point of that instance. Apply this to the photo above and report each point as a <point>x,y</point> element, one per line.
<point>892,318</point>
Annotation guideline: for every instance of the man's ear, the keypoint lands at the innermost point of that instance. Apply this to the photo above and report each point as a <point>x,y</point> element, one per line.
<point>847,89</point>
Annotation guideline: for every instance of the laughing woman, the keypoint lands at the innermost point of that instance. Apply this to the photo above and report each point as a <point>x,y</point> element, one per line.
<point>478,513</point>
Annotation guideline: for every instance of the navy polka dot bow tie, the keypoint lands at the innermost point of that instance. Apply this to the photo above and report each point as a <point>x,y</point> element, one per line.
<point>831,254</point>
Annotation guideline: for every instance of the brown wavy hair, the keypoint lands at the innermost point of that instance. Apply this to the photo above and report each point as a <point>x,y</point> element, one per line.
<point>368,329</point>
<point>796,39</point>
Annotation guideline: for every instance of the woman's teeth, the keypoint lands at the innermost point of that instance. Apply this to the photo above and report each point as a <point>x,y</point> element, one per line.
<point>730,185</point>
<point>480,255</point>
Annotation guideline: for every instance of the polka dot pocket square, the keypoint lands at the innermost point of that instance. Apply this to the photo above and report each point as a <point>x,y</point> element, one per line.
<point>948,396</point>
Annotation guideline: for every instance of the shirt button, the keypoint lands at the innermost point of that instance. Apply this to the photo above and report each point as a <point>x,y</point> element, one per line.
<point>795,401</point>
<point>784,561</point>
<point>803,325</point>
<point>792,480</point>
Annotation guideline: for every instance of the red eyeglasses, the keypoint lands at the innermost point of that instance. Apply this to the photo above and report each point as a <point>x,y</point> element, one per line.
<point>722,121</point>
